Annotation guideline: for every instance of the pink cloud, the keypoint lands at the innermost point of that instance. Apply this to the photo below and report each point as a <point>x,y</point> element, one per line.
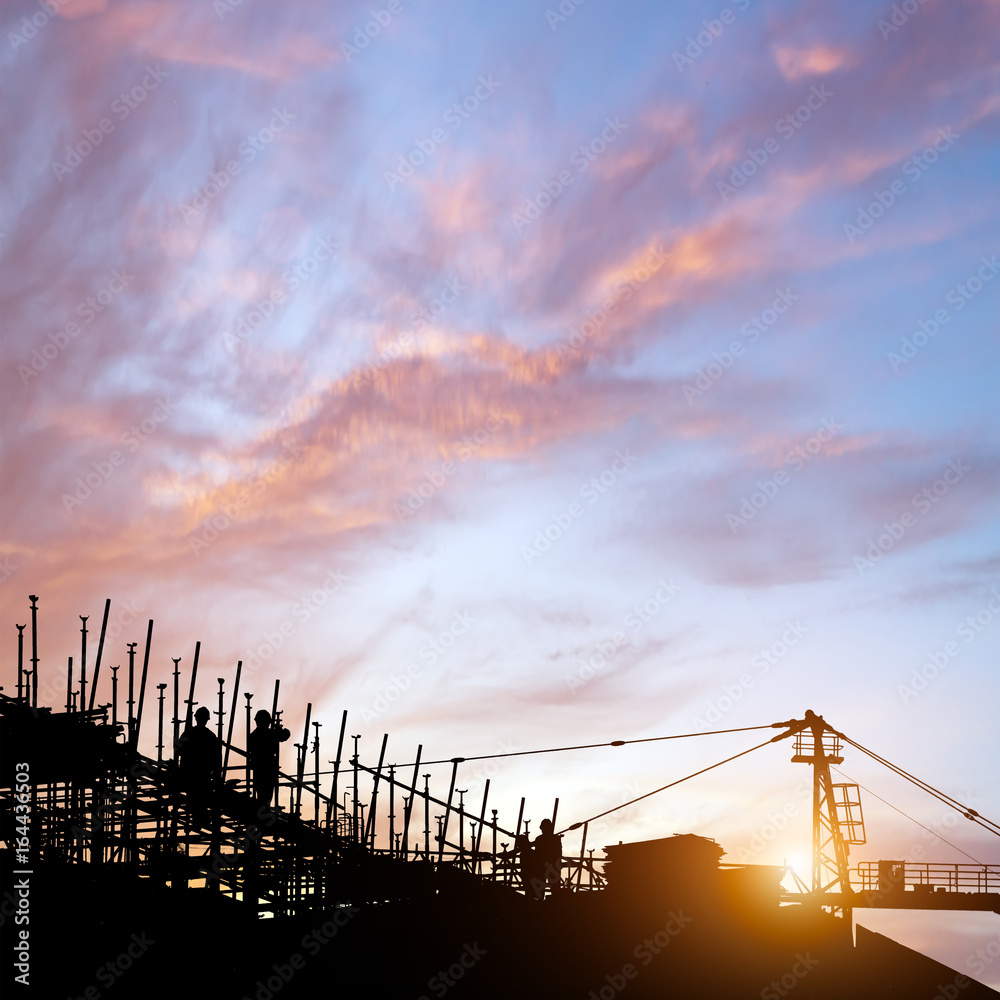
<point>814,60</point>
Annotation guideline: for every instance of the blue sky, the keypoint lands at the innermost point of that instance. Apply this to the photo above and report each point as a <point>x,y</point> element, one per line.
<point>420,336</point>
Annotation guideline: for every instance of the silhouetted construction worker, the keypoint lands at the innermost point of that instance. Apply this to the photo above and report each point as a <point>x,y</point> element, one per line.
<point>263,746</point>
<point>548,855</point>
<point>528,865</point>
<point>200,764</point>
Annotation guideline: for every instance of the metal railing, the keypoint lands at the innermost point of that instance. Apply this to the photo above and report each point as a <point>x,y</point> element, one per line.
<point>907,876</point>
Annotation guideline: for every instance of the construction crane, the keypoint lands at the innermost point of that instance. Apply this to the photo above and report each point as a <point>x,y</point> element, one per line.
<point>838,824</point>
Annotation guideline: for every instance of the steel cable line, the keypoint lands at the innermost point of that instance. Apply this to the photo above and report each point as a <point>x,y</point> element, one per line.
<point>576,826</point>
<point>582,746</point>
<point>966,811</point>
<point>908,816</point>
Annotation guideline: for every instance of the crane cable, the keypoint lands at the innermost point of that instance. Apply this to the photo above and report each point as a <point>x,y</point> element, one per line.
<point>908,816</point>
<point>576,826</point>
<point>582,746</point>
<point>966,811</point>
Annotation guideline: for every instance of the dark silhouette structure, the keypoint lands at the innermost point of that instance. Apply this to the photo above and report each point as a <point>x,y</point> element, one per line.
<point>200,758</point>
<point>532,873</point>
<point>548,851</point>
<point>363,899</point>
<point>264,745</point>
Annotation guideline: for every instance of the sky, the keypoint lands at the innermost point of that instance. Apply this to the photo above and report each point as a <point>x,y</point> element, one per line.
<point>518,376</point>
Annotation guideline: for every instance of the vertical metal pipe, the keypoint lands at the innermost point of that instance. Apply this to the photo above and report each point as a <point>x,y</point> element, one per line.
<point>392,809</point>
<point>232,719</point>
<point>177,701</point>
<point>159,729</point>
<point>69,685</point>
<point>583,848</point>
<point>100,651</point>
<point>114,694</point>
<point>354,761</point>
<point>248,697</point>
<point>461,826</point>
<point>189,714</point>
<point>331,806</point>
<point>34,650</point>
<point>83,662</point>
<point>482,816</point>
<point>221,710</point>
<point>316,726</point>
<point>131,688</point>
<point>427,817</point>
<point>20,661</point>
<point>142,685</point>
<point>370,830</point>
<point>409,804</point>
<point>274,703</point>
<point>494,853</point>
<point>455,761</point>
<point>555,812</point>
<point>520,814</point>
<point>301,769</point>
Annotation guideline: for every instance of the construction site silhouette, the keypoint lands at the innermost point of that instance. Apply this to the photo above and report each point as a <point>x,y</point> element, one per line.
<point>216,872</point>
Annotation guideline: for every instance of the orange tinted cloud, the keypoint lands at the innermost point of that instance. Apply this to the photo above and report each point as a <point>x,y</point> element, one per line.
<point>815,60</point>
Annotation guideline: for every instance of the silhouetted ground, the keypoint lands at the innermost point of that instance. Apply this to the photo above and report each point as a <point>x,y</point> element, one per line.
<point>466,939</point>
